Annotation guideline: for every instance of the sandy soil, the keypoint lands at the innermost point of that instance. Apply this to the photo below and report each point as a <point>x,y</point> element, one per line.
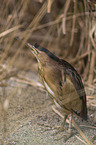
<point>30,107</point>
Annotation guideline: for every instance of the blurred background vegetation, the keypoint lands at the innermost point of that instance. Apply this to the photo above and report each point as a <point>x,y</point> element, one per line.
<point>65,27</point>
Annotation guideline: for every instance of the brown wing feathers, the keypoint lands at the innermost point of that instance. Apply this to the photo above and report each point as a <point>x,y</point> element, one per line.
<point>76,80</point>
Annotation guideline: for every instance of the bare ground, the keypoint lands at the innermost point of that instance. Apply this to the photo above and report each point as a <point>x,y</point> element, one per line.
<point>30,107</point>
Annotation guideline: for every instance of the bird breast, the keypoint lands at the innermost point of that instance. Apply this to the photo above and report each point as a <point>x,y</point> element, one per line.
<point>49,90</point>
<point>64,95</point>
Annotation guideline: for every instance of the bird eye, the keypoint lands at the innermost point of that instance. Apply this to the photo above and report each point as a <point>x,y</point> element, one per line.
<point>36,51</point>
<point>60,83</point>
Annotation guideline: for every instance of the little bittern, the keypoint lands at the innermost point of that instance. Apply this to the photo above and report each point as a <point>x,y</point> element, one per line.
<point>62,81</point>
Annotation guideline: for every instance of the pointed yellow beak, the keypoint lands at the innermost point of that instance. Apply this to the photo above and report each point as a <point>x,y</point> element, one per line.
<point>32,47</point>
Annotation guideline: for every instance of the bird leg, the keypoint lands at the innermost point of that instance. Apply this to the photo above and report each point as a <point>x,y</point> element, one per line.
<point>69,133</point>
<point>61,128</point>
<point>63,123</point>
<point>46,127</point>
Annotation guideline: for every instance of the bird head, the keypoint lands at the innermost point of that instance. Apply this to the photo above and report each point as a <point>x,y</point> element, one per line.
<point>41,54</point>
<point>32,47</point>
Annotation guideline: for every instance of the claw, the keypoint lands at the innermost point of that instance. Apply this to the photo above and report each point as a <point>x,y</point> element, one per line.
<point>59,130</point>
<point>66,136</point>
<point>45,127</point>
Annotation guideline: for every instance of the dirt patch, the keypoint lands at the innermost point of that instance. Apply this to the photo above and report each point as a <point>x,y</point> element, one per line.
<point>29,110</point>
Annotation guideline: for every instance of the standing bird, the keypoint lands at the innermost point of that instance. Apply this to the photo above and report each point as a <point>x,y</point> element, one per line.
<point>63,83</point>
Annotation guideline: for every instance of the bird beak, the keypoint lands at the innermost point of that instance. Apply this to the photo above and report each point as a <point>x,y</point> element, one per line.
<point>32,47</point>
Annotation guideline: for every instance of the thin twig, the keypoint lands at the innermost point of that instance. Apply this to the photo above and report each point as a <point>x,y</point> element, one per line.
<point>10,30</point>
<point>80,57</point>
<point>88,126</point>
<point>80,139</point>
<point>49,6</point>
<point>92,66</point>
<point>67,4</point>
<point>74,23</point>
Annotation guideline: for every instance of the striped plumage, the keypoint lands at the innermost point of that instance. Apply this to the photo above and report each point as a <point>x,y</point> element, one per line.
<point>53,68</point>
<point>62,81</point>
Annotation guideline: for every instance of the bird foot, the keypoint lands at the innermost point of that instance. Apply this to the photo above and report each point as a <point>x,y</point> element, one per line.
<point>46,127</point>
<point>69,132</point>
<point>59,130</point>
<point>66,135</point>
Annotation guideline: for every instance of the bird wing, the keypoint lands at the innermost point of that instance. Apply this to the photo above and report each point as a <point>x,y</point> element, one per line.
<point>75,78</point>
<point>77,82</point>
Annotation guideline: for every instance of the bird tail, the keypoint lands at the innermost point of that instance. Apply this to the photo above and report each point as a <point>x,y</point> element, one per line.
<point>83,113</point>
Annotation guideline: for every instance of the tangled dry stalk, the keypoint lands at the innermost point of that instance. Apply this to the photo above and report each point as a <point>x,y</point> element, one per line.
<point>67,28</point>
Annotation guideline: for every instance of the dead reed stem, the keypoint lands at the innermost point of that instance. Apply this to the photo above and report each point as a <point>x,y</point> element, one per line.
<point>75,24</point>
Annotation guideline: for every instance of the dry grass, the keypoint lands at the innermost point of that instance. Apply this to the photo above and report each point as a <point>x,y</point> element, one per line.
<point>66,28</point>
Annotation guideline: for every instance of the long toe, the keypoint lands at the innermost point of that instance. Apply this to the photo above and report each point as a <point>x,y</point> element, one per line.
<point>65,136</point>
<point>59,130</point>
<point>45,127</point>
